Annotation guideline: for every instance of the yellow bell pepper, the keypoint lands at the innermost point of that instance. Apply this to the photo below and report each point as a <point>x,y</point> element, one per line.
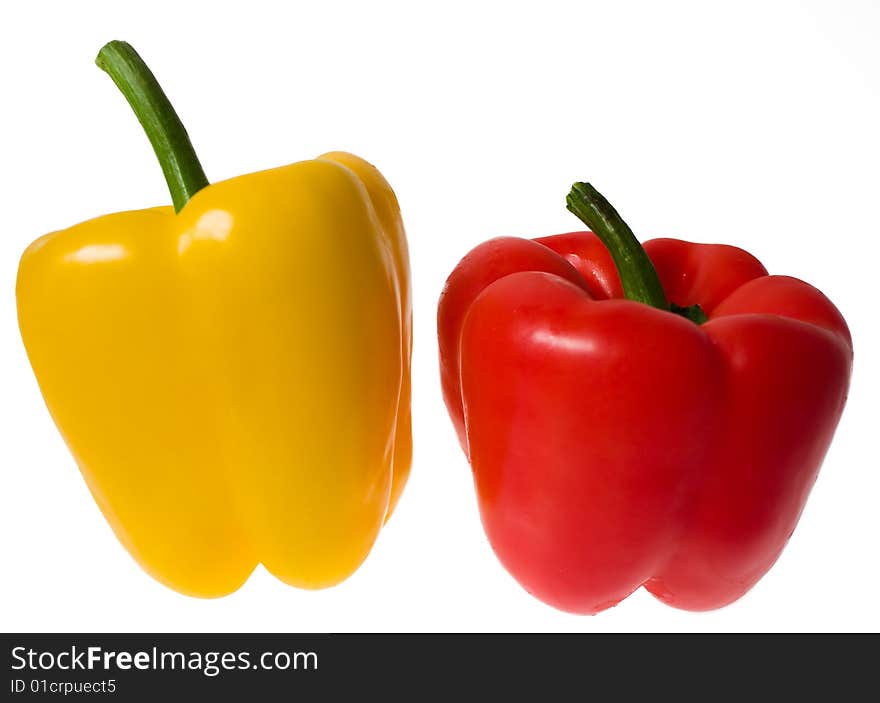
<point>232,379</point>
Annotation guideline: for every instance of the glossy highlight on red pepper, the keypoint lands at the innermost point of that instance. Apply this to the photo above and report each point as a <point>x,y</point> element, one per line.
<point>628,431</point>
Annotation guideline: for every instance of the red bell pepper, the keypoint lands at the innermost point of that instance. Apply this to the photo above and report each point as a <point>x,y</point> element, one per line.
<point>618,440</point>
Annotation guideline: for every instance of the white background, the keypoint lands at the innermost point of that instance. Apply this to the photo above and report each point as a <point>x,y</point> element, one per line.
<point>754,124</point>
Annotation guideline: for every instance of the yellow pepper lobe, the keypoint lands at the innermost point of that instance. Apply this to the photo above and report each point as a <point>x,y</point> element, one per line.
<point>388,211</point>
<point>233,381</point>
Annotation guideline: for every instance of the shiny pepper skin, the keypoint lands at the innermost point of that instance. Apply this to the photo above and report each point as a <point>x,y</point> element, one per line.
<point>615,445</point>
<point>233,380</point>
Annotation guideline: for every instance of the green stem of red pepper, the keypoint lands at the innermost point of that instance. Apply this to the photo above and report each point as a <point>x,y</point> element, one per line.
<point>154,111</point>
<point>637,274</point>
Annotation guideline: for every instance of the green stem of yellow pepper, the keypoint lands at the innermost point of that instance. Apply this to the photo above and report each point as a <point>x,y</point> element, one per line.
<point>166,132</point>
